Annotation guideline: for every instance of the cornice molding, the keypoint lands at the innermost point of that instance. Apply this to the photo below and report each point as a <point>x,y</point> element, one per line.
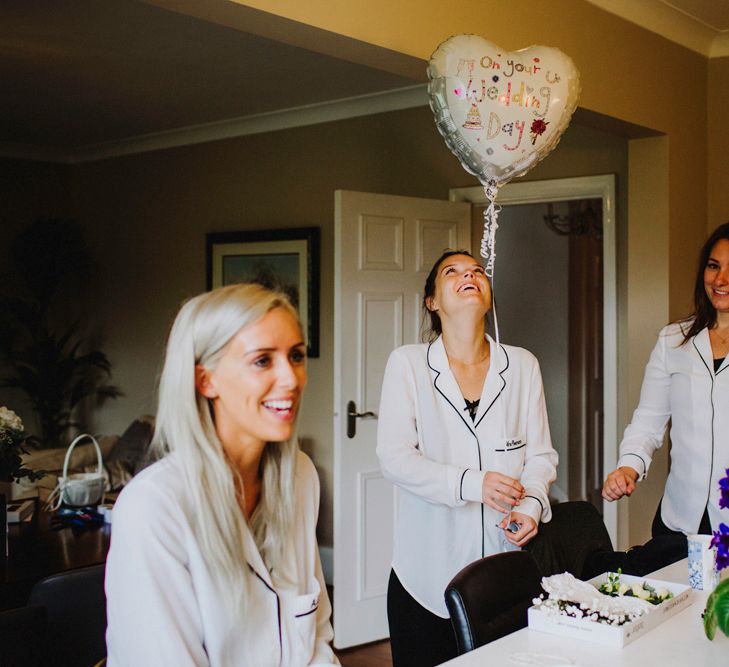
<point>671,23</point>
<point>312,114</point>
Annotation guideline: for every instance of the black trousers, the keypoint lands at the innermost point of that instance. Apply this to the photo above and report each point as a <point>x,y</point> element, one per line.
<point>418,638</point>
<point>659,528</point>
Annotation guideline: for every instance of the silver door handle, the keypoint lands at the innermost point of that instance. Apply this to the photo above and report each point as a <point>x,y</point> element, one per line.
<point>353,415</point>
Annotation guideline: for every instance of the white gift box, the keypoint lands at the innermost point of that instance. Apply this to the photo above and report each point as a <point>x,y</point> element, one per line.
<point>613,635</point>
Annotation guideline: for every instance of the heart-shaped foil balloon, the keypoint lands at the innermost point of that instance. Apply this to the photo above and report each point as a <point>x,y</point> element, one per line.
<point>500,112</point>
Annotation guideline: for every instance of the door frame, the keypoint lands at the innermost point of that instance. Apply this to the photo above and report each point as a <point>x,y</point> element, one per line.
<point>566,189</point>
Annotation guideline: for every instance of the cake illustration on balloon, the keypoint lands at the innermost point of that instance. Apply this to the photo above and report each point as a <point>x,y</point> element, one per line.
<point>473,118</point>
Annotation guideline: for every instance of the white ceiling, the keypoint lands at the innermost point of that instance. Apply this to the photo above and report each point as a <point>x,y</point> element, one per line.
<point>83,79</point>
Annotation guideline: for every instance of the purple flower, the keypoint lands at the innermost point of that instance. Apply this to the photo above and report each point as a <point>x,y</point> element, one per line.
<point>721,542</point>
<point>724,490</point>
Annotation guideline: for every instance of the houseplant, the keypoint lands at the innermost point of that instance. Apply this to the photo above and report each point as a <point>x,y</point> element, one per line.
<point>46,350</point>
<point>716,613</point>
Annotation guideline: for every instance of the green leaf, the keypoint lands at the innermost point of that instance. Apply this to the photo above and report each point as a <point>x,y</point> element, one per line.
<point>709,623</point>
<point>721,611</point>
<point>722,588</point>
<point>717,610</point>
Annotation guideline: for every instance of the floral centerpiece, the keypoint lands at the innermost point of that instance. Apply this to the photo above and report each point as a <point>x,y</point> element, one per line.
<point>612,603</point>
<point>717,605</point>
<point>642,590</point>
<point>13,442</point>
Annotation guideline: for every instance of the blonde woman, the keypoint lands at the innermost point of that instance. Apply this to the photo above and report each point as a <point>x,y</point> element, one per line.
<point>214,558</point>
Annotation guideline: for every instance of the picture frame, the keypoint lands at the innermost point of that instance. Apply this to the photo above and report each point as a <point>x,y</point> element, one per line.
<point>286,259</point>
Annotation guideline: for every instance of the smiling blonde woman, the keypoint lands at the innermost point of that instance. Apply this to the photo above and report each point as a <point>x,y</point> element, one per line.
<point>214,558</point>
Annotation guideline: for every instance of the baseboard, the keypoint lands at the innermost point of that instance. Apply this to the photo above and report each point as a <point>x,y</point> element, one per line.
<point>326,554</point>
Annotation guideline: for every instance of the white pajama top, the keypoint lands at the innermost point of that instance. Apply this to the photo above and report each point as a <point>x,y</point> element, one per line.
<point>164,606</point>
<point>429,446</point>
<point>680,384</point>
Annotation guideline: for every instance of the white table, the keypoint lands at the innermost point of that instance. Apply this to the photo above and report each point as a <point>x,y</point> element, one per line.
<point>679,641</point>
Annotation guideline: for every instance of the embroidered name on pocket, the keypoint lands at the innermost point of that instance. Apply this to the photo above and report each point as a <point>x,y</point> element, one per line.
<point>512,443</point>
<point>305,605</point>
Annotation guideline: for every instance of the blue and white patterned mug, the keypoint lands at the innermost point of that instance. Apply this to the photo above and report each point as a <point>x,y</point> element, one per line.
<point>703,574</point>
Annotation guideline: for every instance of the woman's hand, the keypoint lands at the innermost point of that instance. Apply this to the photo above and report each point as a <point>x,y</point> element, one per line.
<point>501,492</point>
<point>528,528</point>
<point>619,483</point>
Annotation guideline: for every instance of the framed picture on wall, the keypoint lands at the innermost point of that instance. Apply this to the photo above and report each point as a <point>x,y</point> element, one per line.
<point>285,259</point>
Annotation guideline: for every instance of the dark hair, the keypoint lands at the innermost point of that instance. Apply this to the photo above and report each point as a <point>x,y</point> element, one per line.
<point>704,314</point>
<point>429,291</point>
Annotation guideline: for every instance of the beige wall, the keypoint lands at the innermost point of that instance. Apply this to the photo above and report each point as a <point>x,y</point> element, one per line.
<point>646,308</point>
<point>30,190</point>
<point>718,142</point>
<point>146,217</point>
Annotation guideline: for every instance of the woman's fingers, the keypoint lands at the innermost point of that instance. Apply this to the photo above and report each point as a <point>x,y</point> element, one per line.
<point>527,529</point>
<point>493,504</point>
<point>618,483</point>
<point>501,490</point>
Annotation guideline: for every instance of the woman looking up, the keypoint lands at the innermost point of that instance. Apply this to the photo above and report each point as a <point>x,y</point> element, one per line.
<point>686,380</point>
<point>214,558</point>
<point>463,433</point>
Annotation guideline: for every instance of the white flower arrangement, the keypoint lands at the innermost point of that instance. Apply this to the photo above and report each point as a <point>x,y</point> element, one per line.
<point>13,441</point>
<point>9,420</point>
<point>643,590</point>
<point>568,596</point>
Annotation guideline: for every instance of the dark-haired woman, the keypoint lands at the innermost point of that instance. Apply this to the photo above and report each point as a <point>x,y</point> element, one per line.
<point>687,381</point>
<point>463,433</point>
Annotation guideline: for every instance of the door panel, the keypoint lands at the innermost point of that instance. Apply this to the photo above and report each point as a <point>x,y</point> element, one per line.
<point>384,247</point>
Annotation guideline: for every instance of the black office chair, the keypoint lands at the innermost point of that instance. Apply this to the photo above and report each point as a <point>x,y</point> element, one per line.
<point>573,541</point>
<point>489,598</point>
<point>75,607</point>
<point>22,636</point>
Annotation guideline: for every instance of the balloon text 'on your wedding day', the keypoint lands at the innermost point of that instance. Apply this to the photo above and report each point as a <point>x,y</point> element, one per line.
<point>500,112</point>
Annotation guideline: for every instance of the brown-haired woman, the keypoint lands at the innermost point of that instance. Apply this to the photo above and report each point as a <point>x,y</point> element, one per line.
<point>686,380</point>
<point>463,433</point>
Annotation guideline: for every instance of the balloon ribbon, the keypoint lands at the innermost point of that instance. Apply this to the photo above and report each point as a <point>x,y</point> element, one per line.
<point>488,252</point>
<point>490,225</point>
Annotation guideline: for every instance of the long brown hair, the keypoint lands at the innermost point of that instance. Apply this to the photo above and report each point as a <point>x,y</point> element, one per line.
<point>704,315</point>
<point>436,328</point>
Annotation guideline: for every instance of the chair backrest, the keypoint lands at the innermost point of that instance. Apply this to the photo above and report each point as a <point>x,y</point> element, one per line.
<point>75,605</point>
<point>489,598</point>
<point>569,542</point>
<point>23,636</point>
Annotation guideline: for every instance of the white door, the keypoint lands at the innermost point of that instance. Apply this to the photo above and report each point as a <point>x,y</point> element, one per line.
<point>384,247</point>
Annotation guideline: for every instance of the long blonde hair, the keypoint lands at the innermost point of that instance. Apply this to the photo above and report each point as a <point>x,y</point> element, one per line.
<point>203,328</point>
